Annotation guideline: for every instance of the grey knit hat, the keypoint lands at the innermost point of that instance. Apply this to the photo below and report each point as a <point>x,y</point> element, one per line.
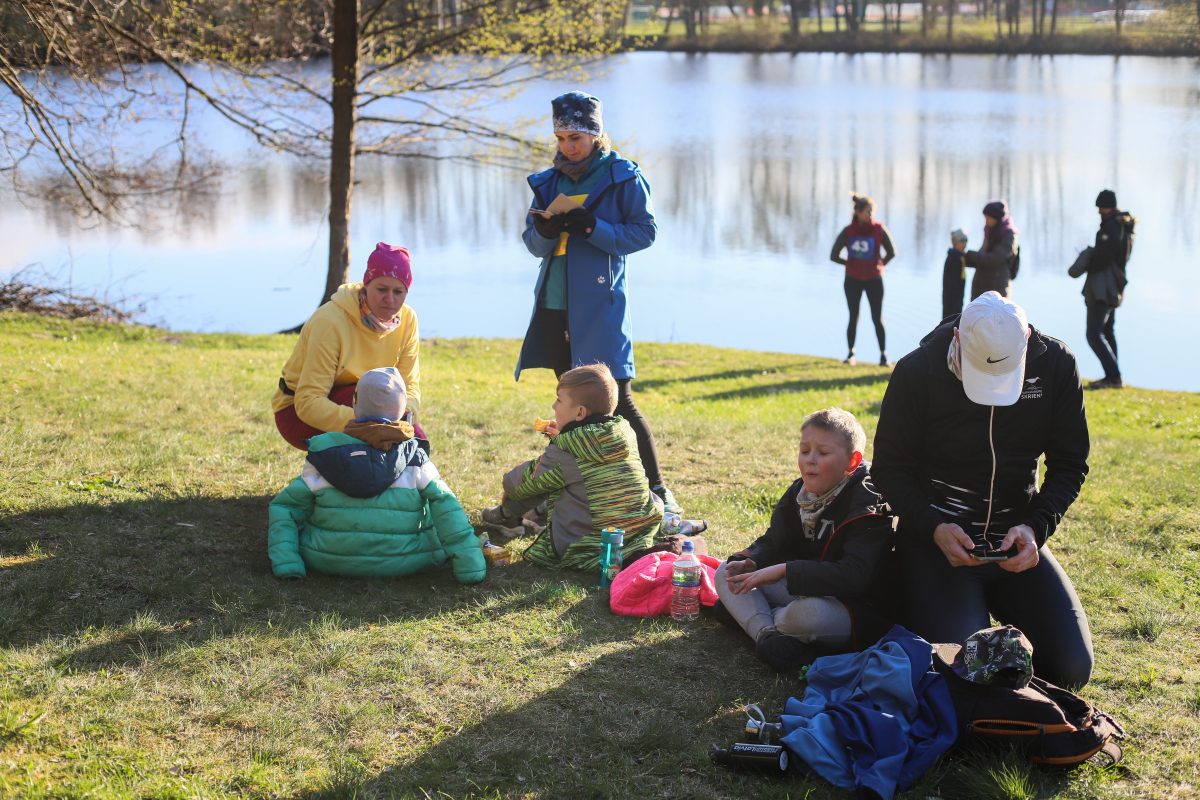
<point>380,395</point>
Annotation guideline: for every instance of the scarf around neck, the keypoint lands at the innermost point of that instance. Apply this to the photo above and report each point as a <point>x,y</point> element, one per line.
<point>812,506</point>
<point>370,320</point>
<point>575,170</point>
<point>954,358</point>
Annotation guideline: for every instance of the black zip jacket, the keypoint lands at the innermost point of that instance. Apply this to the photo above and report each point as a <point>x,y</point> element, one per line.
<point>953,282</point>
<point>847,557</point>
<point>1110,253</point>
<point>933,462</point>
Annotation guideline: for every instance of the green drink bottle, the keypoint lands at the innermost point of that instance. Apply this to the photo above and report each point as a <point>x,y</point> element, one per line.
<point>611,540</point>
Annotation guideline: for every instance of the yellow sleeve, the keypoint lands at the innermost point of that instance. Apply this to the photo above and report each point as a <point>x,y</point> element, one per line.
<point>317,375</point>
<point>408,362</point>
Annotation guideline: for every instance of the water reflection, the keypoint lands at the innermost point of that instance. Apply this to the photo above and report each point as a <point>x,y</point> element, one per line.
<point>751,160</point>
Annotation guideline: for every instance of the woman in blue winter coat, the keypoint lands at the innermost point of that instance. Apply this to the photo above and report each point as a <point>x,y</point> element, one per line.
<point>581,314</point>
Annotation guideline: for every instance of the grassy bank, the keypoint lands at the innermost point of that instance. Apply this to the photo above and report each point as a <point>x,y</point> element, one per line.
<point>1176,35</point>
<point>146,651</point>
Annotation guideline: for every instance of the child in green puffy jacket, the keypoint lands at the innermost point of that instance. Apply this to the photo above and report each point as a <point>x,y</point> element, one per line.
<point>370,502</point>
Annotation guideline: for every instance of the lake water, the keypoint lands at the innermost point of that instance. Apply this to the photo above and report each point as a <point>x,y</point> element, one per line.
<point>750,159</point>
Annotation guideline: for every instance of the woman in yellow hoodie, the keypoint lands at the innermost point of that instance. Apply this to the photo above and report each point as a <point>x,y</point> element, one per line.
<point>364,326</point>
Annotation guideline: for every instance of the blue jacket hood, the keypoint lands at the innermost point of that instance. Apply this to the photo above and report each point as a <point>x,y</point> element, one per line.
<point>355,468</point>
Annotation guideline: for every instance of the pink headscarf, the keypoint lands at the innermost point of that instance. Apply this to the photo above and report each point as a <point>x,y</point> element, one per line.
<point>389,261</point>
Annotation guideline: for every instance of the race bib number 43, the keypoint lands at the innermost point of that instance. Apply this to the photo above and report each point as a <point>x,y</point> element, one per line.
<point>861,247</point>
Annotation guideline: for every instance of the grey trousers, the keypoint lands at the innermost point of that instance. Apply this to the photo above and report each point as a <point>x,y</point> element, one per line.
<point>820,620</point>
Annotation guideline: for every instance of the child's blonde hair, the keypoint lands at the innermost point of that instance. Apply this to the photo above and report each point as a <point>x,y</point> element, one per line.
<point>591,386</point>
<point>843,423</point>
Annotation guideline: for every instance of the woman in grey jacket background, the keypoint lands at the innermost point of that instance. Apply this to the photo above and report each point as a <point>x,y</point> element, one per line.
<point>997,262</point>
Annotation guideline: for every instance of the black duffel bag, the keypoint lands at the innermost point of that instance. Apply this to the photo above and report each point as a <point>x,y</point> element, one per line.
<point>1048,723</point>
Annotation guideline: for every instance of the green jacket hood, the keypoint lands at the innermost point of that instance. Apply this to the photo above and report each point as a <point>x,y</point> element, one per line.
<point>604,442</point>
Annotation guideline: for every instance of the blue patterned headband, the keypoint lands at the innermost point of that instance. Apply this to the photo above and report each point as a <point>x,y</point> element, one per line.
<point>576,111</point>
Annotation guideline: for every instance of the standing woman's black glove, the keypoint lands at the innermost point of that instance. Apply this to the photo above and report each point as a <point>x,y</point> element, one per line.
<point>579,222</point>
<point>549,227</point>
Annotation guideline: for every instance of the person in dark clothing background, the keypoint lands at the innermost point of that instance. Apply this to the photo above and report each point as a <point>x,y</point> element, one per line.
<point>954,274</point>
<point>964,420</point>
<point>864,241</point>
<point>997,262</point>
<point>1104,288</point>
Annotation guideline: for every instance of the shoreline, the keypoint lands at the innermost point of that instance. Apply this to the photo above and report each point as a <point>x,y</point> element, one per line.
<point>880,42</point>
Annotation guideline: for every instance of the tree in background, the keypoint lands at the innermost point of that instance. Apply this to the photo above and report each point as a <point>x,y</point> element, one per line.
<point>321,79</point>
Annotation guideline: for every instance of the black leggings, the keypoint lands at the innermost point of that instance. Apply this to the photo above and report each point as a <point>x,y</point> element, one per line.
<point>948,604</point>
<point>874,289</point>
<point>556,337</point>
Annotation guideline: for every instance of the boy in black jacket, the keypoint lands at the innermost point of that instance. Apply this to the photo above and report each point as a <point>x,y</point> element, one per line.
<point>814,578</point>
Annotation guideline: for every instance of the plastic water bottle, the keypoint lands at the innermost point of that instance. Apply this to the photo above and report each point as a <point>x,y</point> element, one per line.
<point>674,524</point>
<point>685,584</point>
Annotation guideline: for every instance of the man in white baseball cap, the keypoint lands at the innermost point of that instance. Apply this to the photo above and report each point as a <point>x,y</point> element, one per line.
<point>962,426</point>
<point>992,337</point>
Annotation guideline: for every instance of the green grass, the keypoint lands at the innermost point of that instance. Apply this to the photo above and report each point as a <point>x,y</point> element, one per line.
<point>146,650</point>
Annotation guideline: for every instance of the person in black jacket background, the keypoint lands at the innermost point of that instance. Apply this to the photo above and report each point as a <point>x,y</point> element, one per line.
<point>1109,255</point>
<point>954,274</point>
<point>965,418</point>
<point>818,577</point>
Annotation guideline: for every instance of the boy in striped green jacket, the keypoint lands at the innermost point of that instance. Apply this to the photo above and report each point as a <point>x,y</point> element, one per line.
<point>590,478</point>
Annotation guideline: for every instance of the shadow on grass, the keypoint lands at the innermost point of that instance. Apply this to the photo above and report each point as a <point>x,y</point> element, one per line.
<point>802,385</point>
<point>635,723</point>
<point>157,574</point>
<point>733,374</point>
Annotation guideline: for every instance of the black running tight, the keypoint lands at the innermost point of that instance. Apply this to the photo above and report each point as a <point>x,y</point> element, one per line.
<point>854,291</point>
<point>558,347</point>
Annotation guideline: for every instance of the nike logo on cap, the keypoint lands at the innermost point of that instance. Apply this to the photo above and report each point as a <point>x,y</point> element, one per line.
<point>997,361</point>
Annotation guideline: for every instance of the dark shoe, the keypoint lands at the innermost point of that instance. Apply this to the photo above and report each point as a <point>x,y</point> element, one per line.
<point>782,653</point>
<point>1107,383</point>
<point>883,361</point>
<point>495,517</point>
<point>850,359</point>
<point>534,522</point>
<point>721,614</point>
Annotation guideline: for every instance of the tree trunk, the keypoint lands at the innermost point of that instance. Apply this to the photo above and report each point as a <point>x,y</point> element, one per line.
<point>950,18</point>
<point>794,17</point>
<point>925,18</point>
<point>821,22</point>
<point>837,18</point>
<point>341,164</point>
<point>1120,9</point>
<point>1054,17</point>
<point>998,32</point>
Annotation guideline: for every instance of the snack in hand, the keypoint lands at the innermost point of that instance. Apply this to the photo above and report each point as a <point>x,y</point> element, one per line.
<point>540,425</point>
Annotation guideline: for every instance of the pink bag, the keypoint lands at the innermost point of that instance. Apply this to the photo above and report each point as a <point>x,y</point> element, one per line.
<point>643,589</point>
